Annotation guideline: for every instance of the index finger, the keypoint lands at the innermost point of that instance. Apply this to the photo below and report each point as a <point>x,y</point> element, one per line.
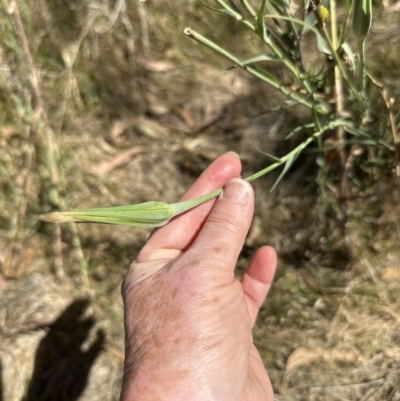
<point>180,232</point>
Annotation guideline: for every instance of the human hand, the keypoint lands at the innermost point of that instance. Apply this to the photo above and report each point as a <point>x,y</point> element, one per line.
<point>188,321</point>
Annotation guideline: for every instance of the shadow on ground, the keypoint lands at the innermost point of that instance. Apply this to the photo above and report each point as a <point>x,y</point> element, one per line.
<point>62,362</point>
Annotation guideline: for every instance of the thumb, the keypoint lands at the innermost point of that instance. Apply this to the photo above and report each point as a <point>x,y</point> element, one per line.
<point>222,236</point>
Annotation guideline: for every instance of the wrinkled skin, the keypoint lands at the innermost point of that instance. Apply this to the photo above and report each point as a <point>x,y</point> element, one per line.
<point>188,321</point>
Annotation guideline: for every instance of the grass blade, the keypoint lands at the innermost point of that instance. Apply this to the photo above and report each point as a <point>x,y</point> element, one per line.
<point>286,168</point>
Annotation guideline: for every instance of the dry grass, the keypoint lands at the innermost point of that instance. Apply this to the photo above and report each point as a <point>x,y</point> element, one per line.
<point>137,119</point>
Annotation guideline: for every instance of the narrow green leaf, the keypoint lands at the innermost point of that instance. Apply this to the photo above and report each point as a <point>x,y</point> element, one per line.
<point>322,45</point>
<point>356,130</point>
<point>271,79</point>
<point>262,57</point>
<point>362,18</point>
<point>220,11</point>
<point>285,105</point>
<point>272,158</point>
<point>350,54</point>
<point>307,26</point>
<point>287,166</point>
<point>347,6</point>
<point>300,128</point>
<point>366,142</point>
<point>262,29</point>
<point>248,8</point>
<point>235,7</point>
<point>256,59</point>
<point>279,3</point>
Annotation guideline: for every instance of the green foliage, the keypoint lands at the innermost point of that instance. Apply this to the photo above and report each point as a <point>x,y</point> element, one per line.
<point>331,81</point>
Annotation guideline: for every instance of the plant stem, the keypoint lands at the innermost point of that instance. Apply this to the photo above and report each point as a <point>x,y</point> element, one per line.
<point>338,61</point>
<point>331,125</point>
<point>269,40</point>
<point>360,72</point>
<point>269,79</point>
<point>236,14</point>
<point>296,150</point>
<point>248,8</point>
<point>338,83</point>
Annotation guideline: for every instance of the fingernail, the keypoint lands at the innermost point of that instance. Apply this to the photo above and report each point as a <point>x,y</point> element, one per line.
<point>237,191</point>
<point>234,153</point>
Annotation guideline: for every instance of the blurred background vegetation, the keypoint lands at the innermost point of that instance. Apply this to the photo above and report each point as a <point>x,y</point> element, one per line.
<point>109,103</point>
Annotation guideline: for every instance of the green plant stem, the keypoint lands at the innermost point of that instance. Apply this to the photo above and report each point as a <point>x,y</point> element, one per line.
<point>275,45</point>
<point>344,25</point>
<point>248,8</point>
<point>360,72</point>
<point>335,55</point>
<point>157,214</point>
<point>296,150</point>
<point>332,15</point>
<point>280,52</point>
<point>269,40</point>
<point>331,125</point>
<point>236,14</point>
<point>249,68</point>
<point>338,82</point>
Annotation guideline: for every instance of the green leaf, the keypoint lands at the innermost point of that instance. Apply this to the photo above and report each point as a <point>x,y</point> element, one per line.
<point>262,57</point>
<point>220,11</point>
<point>285,105</point>
<point>347,6</point>
<point>288,164</point>
<point>322,45</point>
<point>300,128</point>
<point>266,75</point>
<point>366,142</point>
<point>234,7</point>
<point>262,29</point>
<point>356,130</point>
<point>349,52</point>
<point>256,59</point>
<point>362,18</point>
<point>279,3</point>
<point>307,26</point>
<point>272,158</point>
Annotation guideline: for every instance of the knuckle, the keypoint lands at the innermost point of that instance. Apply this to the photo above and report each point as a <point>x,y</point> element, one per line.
<point>226,221</point>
